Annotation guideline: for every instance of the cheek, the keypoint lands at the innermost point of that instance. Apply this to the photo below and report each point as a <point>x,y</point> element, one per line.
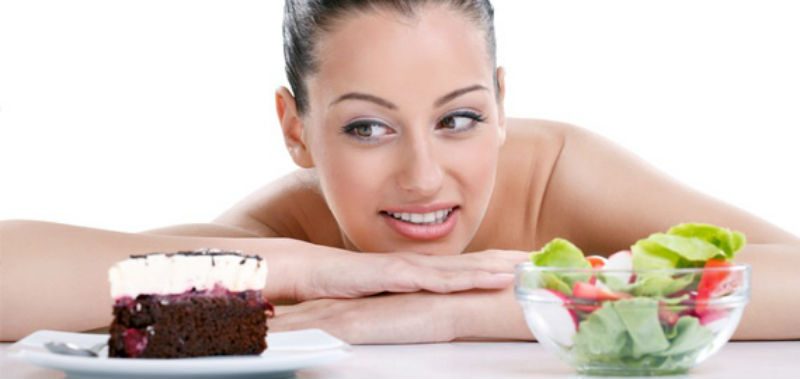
<point>473,168</point>
<point>473,163</point>
<point>350,180</point>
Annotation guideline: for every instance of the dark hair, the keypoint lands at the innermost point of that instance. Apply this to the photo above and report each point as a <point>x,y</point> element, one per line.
<point>303,20</point>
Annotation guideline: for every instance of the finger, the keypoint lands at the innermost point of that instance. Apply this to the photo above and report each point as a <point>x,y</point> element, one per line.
<point>490,261</point>
<point>449,281</point>
<point>281,310</point>
<point>309,314</point>
<point>292,321</point>
<point>283,324</point>
<point>286,310</point>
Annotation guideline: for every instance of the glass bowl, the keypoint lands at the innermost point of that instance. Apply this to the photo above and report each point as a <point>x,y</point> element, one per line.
<point>632,323</point>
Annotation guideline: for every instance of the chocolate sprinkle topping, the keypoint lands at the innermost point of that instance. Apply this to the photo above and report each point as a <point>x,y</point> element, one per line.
<point>203,252</point>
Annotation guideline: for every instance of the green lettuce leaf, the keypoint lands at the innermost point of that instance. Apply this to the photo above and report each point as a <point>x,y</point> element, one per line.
<point>623,328</point>
<point>683,246</point>
<point>628,333</point>
<point>640,317</point>
<point>601,335</point>
<point>660,285</point>
<point>561,253</point>
<point>555,282</point>
<point>730,242</point>
<point>687,248</point>
<point>688,337</point>
<point>649,255</point>
<point>686,245</point>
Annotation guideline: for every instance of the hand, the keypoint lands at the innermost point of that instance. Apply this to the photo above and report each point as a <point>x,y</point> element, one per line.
<point>354,275</point>
<point>404,318</point>
<point>418,317</point>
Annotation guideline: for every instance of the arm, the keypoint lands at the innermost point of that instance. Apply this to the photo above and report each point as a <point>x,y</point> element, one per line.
<point>604,199</point>
<point>495,314</point>
<point>419,317</point>
<point>771,313</point>
<point>206,230</point>
<point>55,276</point>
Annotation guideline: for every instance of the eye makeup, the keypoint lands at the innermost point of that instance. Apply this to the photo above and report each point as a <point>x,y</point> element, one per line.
<point>370,131</point>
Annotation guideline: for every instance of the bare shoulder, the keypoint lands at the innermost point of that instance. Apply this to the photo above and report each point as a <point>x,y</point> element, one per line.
<point>604,198</point>
<point>291,206</point>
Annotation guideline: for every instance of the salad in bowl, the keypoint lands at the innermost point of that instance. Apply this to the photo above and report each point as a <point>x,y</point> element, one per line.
<point>669,302</point>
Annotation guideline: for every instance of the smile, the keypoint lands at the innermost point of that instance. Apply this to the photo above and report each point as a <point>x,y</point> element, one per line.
<point>422,226</point>
<point>436,217</point>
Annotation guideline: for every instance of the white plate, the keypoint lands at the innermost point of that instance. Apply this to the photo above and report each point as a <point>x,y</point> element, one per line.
<point>287,352</point>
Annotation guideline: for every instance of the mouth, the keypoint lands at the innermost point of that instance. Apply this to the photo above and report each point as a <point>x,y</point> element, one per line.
<point>430,225</point>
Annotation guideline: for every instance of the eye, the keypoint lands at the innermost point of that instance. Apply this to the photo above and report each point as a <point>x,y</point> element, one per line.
<point>366,130</point>
<point>461,121</point>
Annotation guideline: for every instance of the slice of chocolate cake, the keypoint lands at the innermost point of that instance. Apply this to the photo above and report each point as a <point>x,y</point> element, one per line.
<point>188,304</point>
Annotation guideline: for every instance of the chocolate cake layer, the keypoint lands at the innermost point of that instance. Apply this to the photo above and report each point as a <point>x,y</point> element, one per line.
<point>190,324</point>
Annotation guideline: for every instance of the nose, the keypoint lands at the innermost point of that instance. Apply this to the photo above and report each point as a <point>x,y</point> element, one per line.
<point>421,172</point>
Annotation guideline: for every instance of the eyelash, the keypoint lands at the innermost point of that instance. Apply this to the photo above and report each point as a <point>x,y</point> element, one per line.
<point>349,128</point>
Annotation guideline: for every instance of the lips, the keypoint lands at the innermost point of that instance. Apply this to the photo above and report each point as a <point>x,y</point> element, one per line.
<point>423,223</point>
<point>422,208</point>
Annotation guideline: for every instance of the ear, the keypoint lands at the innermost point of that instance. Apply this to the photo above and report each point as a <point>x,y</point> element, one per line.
<point>294,135</point>
<point>501,95</point>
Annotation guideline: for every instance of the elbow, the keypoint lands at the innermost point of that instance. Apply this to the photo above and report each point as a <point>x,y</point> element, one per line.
<point>11,260</point>
<point>7,228</point>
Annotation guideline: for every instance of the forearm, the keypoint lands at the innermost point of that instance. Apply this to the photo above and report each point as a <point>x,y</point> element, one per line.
<point>55,276</point>
<point>774,302</point>
<point>202,230</point>
<point>489,315</point>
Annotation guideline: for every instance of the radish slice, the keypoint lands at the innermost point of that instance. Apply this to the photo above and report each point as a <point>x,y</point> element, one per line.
<point>553,319</point>
<point>622,260</point>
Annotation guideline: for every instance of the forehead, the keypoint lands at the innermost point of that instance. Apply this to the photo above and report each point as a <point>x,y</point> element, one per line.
<point>388,54</point>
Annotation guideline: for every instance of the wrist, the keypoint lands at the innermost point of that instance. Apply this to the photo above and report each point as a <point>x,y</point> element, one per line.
<point>288,263</point>
<point>466,312</point>
<point>306,271</point>
<point>489,314</point>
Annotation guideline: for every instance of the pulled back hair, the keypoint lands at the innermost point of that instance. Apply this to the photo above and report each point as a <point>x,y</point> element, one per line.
<point>305,20</point>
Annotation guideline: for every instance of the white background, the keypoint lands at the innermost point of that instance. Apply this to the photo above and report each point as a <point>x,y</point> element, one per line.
<point>130,115</point>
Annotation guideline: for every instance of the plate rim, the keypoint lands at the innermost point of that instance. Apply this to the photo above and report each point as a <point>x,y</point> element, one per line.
<point>277,361</point>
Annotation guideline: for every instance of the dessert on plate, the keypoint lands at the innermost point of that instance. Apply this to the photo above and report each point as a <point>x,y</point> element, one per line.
<point>188,304</point>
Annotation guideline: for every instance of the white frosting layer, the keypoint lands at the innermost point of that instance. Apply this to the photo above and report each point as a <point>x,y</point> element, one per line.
<point>165,274</point>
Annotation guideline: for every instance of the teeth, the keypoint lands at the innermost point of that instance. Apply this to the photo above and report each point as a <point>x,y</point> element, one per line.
<point>436,217</point>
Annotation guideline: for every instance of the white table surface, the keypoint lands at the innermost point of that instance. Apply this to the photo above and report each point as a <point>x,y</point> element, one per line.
<point>464,360</point>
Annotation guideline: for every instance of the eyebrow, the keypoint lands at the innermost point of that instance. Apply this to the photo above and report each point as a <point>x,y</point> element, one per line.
<point>388,104</point>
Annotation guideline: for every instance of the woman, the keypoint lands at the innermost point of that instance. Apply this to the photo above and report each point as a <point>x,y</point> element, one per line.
<point>396,119</point>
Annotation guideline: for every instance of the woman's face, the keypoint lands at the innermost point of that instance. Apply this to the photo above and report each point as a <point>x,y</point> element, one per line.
<point>404,129</point>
